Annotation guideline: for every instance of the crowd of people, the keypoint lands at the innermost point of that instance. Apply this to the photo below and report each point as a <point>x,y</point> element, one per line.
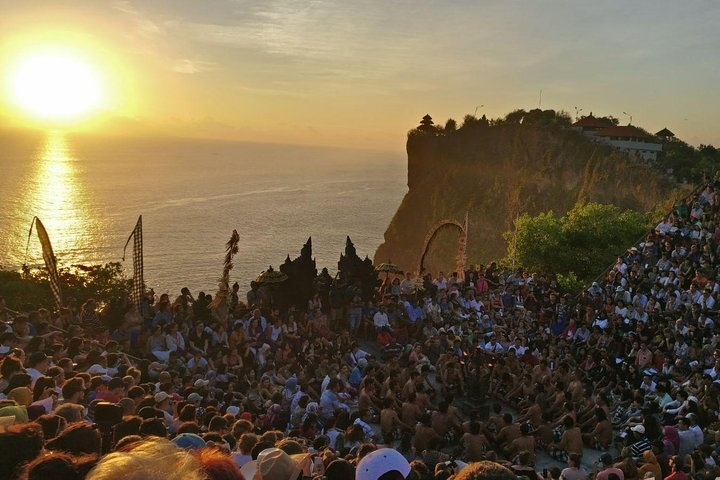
<point>480,374</point>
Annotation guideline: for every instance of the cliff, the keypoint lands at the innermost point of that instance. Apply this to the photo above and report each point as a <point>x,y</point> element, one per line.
<point>528,162</point>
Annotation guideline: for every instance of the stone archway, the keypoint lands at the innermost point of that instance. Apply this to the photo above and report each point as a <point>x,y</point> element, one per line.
<point>461,256</point>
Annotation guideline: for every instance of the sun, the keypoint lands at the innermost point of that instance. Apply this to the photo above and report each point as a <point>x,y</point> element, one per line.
<point>55,86</point>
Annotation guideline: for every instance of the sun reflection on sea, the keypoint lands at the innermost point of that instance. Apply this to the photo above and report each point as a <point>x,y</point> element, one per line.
<point>56,196</point>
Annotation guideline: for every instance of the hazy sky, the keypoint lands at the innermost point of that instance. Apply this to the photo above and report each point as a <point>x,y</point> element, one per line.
<point>361,73</point>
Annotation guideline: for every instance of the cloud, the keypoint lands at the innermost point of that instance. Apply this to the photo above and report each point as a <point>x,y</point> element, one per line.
<point>144,26</point>
<point>188,67</point>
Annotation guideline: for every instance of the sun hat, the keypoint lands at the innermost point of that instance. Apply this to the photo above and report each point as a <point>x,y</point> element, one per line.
<point>189,441</point>
<point>381,461</point>
<point>274,464</point>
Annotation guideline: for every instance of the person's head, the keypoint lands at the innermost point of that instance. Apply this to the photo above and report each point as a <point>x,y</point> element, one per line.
<point>116,386</point>
<point>78,438</point>
<point>247,442</point>
<point>218,424</point>
<point>676,463</point>
<point>59,466</point>
<point>216,465</point>
<point>151,458</point>
<point>25,442</point>
<point>340,469</point>
<point>241,427</point>
<point>129,426</point>
<point>162,401</point>
<point>39,361</point>
<point>485,471</point>
<point>71,412</point>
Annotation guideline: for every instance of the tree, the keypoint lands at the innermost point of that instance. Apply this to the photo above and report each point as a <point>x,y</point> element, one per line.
<point>29,290</point>
<point>579,245</point>
<point>450,125</point>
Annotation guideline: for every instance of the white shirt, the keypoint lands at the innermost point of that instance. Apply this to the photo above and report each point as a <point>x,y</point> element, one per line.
<point>380,319</point>
<point>493,348</point>
<point>175,344</point>
<point>600,322</point>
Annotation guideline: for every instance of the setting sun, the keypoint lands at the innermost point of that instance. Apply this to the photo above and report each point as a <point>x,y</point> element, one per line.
<point>55,86</point>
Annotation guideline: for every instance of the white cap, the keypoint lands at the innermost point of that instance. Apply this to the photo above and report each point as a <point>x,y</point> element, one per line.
<point>638,429</point>
<point>97,369</point>
<point>381,461</point>
<point>233,410</point>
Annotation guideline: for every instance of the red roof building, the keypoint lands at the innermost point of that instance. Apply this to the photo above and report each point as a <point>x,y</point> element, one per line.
<point>632,140</point>
<point>591,123</point>
<point>623,131</point>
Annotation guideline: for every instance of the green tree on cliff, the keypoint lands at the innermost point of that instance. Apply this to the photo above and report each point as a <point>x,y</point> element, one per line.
<point>583,242</point>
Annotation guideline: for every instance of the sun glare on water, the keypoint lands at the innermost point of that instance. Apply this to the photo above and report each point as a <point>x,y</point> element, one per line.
<point>55,86</point>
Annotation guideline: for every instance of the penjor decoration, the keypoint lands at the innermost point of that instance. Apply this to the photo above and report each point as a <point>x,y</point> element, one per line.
<point>49,257</point>
<point>138,281</point>
<point>220,302</point>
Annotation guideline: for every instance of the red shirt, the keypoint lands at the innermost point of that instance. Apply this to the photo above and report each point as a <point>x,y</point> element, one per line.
<point>677,476</point>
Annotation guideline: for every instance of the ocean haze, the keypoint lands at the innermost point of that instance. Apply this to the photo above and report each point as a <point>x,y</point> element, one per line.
<point>192,193</point>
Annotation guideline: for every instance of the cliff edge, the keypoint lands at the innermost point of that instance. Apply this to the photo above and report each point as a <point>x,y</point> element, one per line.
<point>529,162</point>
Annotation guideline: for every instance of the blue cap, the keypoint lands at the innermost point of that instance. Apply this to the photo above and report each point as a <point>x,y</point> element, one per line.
<point>189,441</point>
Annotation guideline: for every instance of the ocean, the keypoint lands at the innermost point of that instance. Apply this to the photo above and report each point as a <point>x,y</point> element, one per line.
<point>88,192</point>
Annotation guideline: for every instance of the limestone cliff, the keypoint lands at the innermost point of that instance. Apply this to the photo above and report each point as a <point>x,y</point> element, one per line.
<point>530,162</point>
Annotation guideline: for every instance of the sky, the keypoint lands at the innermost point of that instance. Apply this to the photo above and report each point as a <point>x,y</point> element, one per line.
<point>362,73</point>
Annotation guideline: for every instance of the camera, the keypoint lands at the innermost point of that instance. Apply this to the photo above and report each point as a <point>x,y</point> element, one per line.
<point>107,415</point>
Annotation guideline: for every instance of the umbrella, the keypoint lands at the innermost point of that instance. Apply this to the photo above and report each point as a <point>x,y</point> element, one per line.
<point>389,268</point>
<point>271,276</point>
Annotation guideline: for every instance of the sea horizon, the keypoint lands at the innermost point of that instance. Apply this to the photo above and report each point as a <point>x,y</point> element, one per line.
<point>89,191</point>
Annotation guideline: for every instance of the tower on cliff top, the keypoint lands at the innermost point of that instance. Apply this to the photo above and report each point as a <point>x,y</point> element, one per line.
<point>426,124</point>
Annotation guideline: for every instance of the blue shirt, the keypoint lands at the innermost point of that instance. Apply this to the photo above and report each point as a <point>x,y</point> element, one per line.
<point>329,402</point>
<point>355,377</point>
<point>415,313</point>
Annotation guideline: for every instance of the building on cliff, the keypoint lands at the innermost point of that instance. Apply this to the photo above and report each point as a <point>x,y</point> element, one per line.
<point>631,140</point>
<point>628,139</point>
<point>590,125</point>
